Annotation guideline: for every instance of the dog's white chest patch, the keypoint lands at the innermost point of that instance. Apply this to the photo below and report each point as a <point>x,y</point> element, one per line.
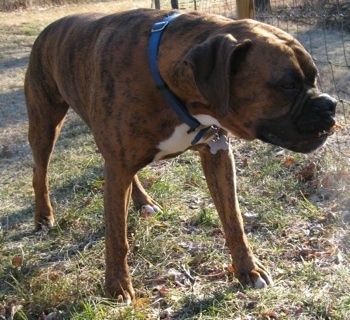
<point>181,140</point>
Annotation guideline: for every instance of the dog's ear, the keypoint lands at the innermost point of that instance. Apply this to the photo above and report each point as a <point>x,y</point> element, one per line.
<point>213,62</point>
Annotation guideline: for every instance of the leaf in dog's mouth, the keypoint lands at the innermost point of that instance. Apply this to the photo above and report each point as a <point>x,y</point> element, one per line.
<point>329,132</point>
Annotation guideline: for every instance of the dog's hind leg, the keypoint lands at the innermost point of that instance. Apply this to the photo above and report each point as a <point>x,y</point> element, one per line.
<point>142,201</point>
<point>46,114</point>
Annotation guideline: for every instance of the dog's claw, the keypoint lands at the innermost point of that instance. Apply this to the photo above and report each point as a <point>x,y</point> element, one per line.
<point>260,283</point>
<point>45,225</point>
<point>127,299</point>
<point>258,277</point>
<point>261,279</point>
<point>122,294</point>
<point>149,210</point>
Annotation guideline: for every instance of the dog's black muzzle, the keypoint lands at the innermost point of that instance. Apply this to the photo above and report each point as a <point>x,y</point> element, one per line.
<point>307,125</point>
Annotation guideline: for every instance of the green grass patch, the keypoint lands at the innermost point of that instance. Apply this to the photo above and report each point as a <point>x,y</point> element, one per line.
<point>63,270</point>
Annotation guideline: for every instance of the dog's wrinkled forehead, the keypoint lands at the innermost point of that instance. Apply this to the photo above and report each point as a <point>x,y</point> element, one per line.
<point>288,45</point>
<point>305,61</point>
<point>284,57</point>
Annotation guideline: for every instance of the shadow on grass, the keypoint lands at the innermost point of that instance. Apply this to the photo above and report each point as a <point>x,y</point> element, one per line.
<point>12,220</point>
<point>60,244</point>
<point>68,195</point>
<point>12,108</point>
<point>211,306</point>
<point>7,64</point>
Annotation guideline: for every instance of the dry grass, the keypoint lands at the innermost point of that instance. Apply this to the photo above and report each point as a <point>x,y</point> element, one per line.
<point>296,216</point>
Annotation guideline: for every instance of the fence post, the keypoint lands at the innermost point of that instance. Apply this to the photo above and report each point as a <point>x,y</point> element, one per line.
<point>174,4</point>
<point>245,9</point>
<point>157,4</point>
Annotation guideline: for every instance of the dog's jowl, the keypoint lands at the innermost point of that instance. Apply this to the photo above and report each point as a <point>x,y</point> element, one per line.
<point>152,84</point>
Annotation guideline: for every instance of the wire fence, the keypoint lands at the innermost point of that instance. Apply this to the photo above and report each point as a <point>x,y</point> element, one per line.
<point>322,26</point>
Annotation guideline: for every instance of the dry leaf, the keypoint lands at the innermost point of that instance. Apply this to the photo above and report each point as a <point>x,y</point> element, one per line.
<point>163,291</point>
<point>217,231</point>
<point>288,161</point>
<point>54,276</point>
<point>270,315</point>
<point>308,172</point>
<point>331,250</point>
<point>17,261</point>
<point>245,162</point>
<point>158,281</point>
<point>142,303</point>
<point>336,127</point>
<point>230,268</point>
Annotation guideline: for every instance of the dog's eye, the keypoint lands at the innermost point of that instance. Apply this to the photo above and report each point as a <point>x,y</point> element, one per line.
<point>290,87</point>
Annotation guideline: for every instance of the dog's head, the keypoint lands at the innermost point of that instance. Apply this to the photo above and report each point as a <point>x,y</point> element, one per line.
<point>262,84</point>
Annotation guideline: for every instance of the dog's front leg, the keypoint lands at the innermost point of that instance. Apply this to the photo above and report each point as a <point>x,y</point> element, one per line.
<point>219,170</point>
<point>117,193</point>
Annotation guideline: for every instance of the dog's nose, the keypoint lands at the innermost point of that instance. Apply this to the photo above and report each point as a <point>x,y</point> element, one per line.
<point>325,104</point>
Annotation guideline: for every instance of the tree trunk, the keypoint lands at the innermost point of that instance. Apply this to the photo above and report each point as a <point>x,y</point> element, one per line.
<point>157,4</point>
<point>175,4</point>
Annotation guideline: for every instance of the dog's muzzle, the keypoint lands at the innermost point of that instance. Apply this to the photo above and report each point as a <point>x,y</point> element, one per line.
<point>307,125</point>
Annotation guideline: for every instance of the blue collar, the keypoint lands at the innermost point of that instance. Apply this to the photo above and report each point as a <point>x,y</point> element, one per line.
<point>170,97</point>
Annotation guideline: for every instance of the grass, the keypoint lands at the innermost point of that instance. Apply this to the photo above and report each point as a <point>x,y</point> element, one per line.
<point>296,210</point>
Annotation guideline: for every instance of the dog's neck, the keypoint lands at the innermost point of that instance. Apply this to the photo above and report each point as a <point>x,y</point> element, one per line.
<point>174,102</point>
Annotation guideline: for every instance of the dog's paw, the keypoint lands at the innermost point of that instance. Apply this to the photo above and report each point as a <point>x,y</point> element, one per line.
<point>149,210</point>
<point>122,293</point>
<point>44,225</point>
<point>258,277</point>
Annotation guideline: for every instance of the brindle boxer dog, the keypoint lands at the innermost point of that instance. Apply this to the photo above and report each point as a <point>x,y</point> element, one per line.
<point>243,78</point>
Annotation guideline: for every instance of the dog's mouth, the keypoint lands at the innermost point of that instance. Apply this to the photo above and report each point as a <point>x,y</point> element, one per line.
<point>305,145</point>
<point>305,128</point>
<point>326,133</point>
